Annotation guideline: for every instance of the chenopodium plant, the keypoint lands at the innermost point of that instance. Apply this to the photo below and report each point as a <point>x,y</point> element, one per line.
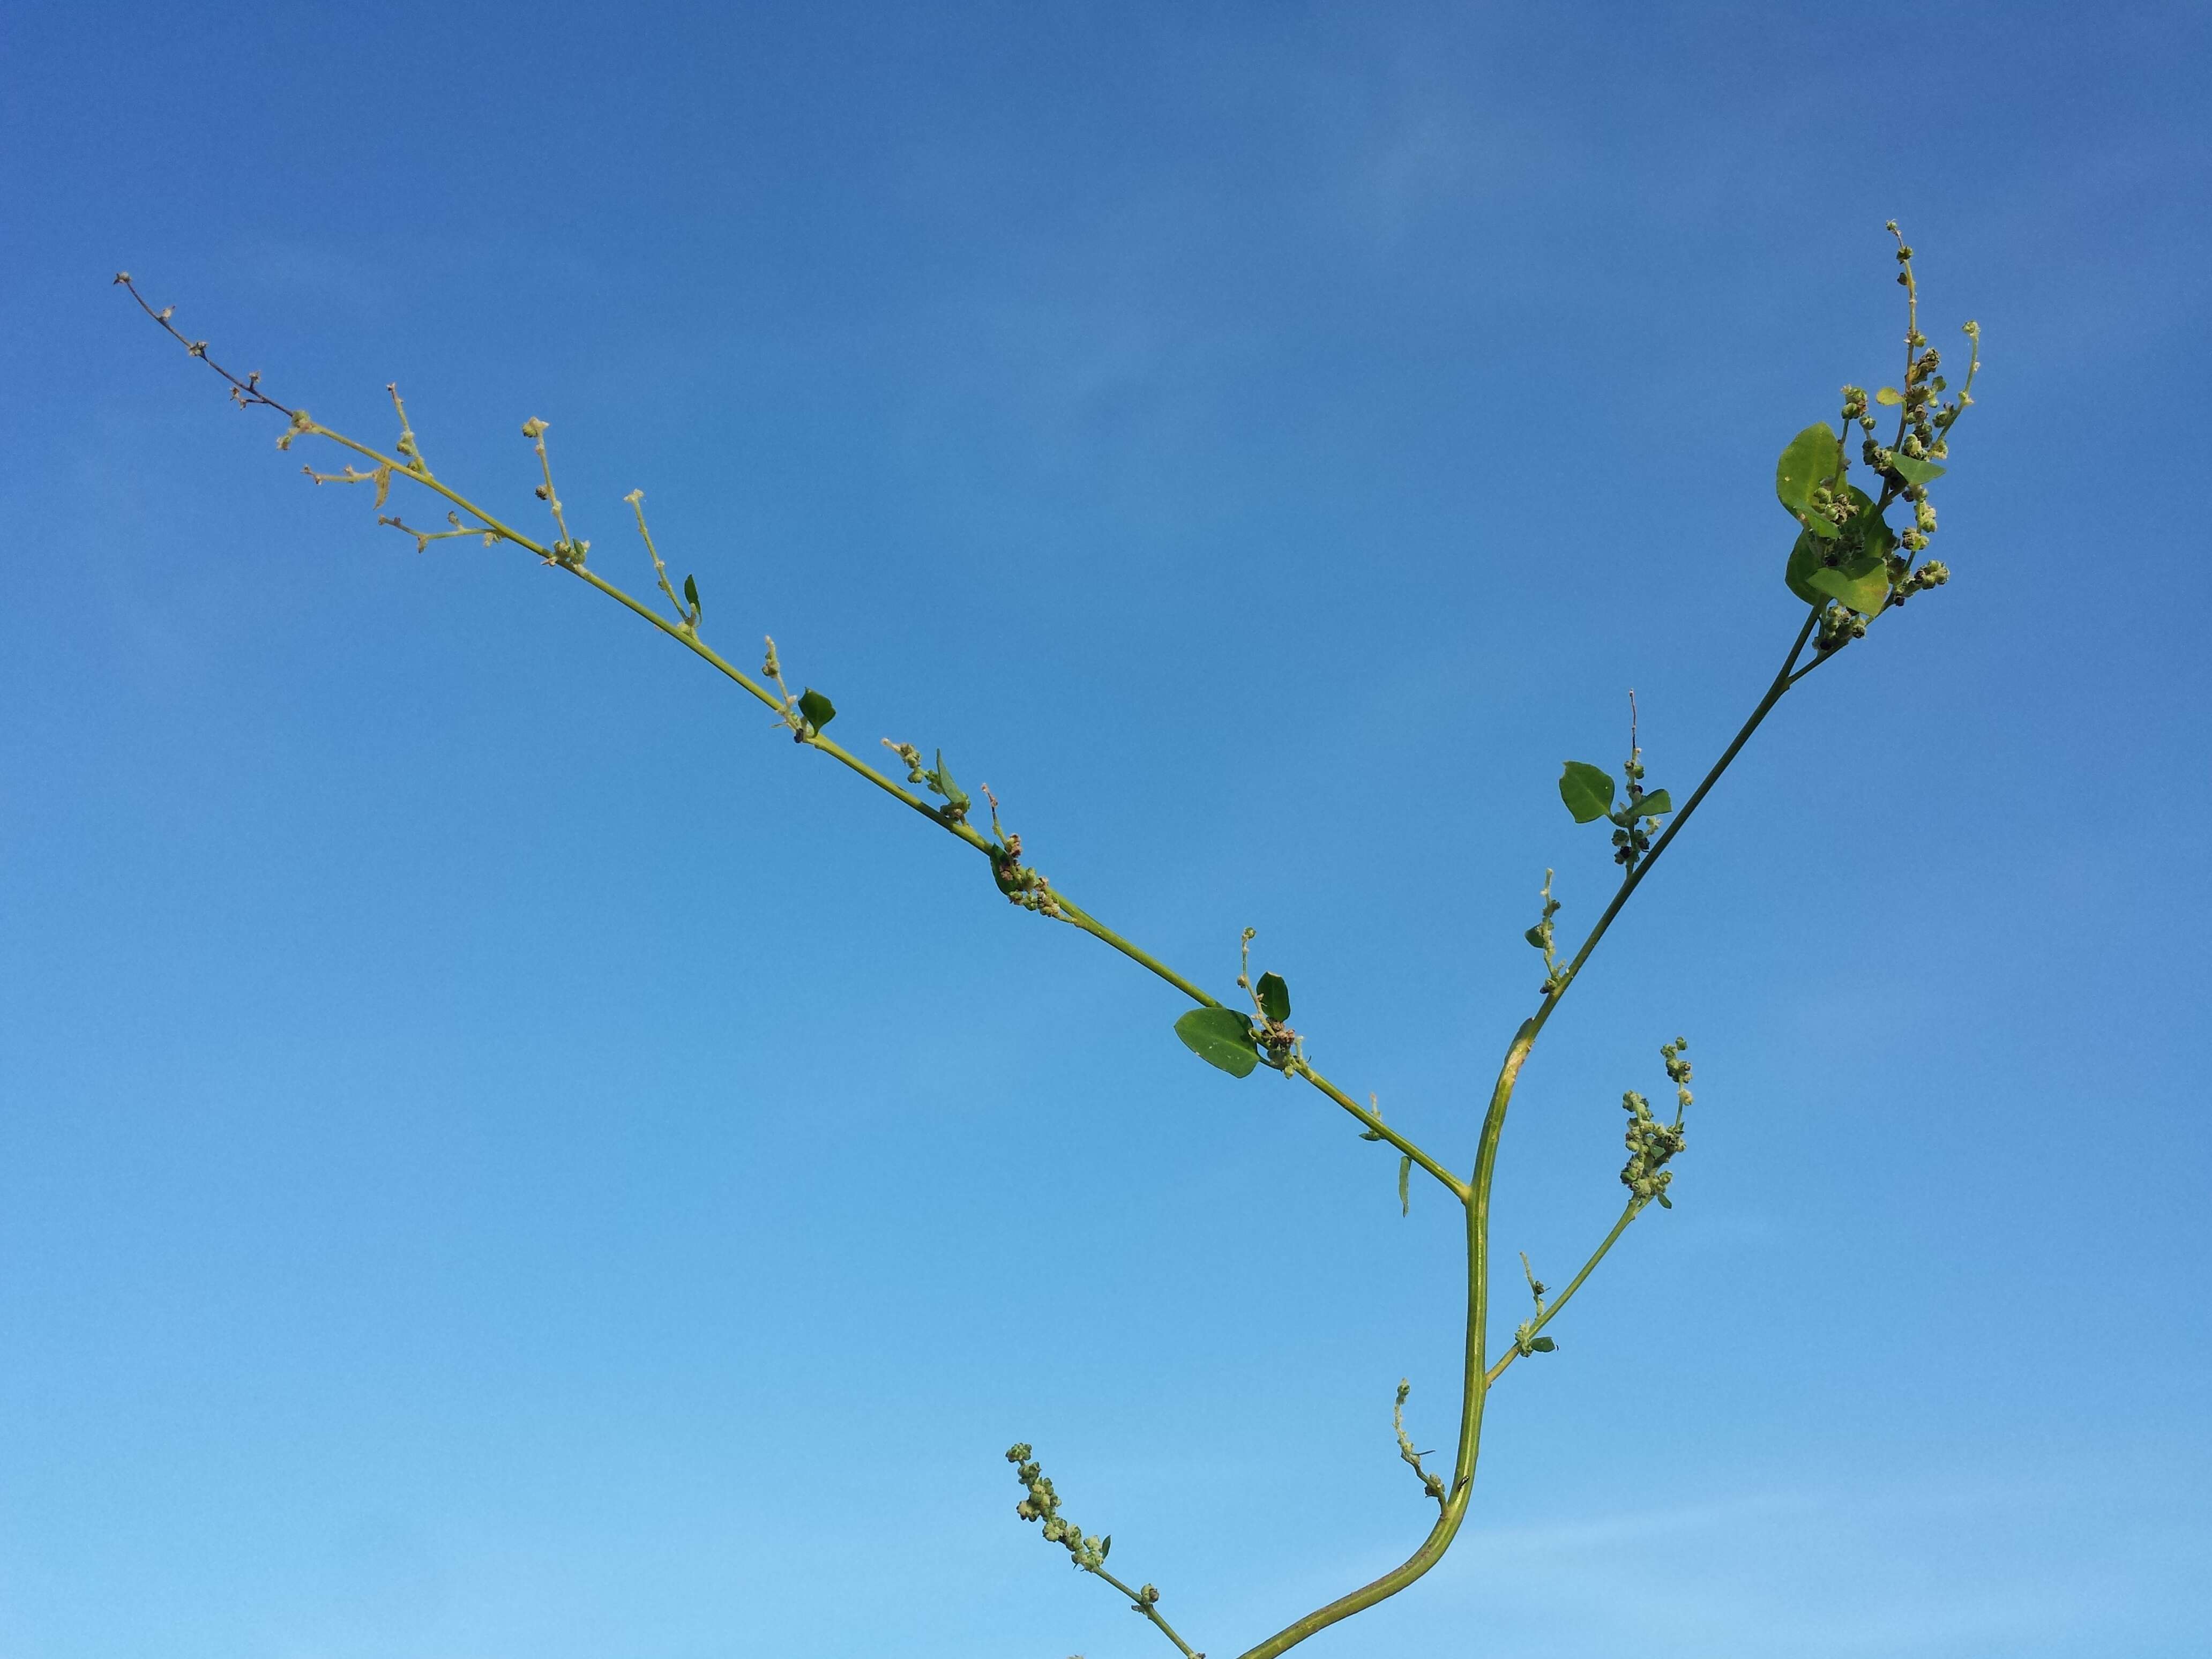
<point>1847,565</point>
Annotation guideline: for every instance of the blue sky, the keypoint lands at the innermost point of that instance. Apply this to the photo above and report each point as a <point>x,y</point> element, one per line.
<point>501,1156</point>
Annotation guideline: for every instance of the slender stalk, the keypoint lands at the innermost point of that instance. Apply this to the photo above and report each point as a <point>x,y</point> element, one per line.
<point>1150,1611</point>
<point>688,637</point>
<point>1079,917</point>
<point>1381,1130</point>
<point>1635,878</point>
<point>1635,1208</point>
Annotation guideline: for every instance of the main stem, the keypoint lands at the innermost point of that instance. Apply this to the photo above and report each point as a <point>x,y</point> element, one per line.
<point>1475,1378</point>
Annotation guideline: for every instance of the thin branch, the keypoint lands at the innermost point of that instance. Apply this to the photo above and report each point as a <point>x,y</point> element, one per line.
<point>1635,1208</point>
<point>1150,1610</point>
<point>246,393</point>
<point>1381,1131</point>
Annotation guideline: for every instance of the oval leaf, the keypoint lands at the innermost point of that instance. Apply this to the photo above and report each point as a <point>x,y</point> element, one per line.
<point>1587,790</point>
<point>1812,459</point>
<point>818,709</point>
<point>1220,1036</point>
<point>1541,1344</point>
<point>691,593</point>
<point>1274,997</point>
<point>1862,584</point>
<point>1657,805</point>
<point>1890,395</point>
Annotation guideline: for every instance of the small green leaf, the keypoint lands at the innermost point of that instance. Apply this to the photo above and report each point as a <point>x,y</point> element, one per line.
<point>691,593</point>
<point>1587,790</point>
<point>1106,1546</point>
<point>1274,997</point>
<point>1915,472</point>
<point>818,709</point>
<point>1405,1179</point>
<point>1890,395</point>
<point>1535,936</point>
<point>1811,460</point>
<point>1657,805</point>
<point>1220,1036</point>
<point>953,793</point>
<point>1541,1344</point>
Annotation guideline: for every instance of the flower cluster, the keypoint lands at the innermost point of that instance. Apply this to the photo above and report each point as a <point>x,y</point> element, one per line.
<point>938,780</point>
<point>1908,462</point>
<point>1040,1503</point>
<point>1652,1144</point>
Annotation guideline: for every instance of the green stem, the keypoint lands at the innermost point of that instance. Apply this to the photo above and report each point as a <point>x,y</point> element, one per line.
<point>1071,913</point>
<point>1635,1208</point>
<point>1635,878</point>
<point>1476,1377</point>
<point>1381,1130</point>
<point>1149,1611</point>
<point>1077,916</point>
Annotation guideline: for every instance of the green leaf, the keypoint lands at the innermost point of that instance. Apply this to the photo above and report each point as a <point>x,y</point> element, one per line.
<point>1587,790</point>
<point>1106,1546</point>
<point>818,709</point>
<point>1804,560</point>
<point>1915,472</point>
<point>1861,583</point>
<point>1811,459</point>
<point>1867,529</point>
<point>1535,936</point>
<point>1860,552</point>
<point>953,793</point>
<point>1657,805</point>
<point>1274,997</point>
<point>1541,1344</point>
<point>1220,1036</point>
<point>1405,1178</point>
<point>1890,395</point>
<point>691,593</point>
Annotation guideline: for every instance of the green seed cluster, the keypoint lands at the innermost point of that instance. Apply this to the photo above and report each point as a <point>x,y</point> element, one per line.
<point>1652,1144</point>
<point>1632,839</point>
<point>1021,884</point>
<point>1040,1503</point>
<point>1905,468</point>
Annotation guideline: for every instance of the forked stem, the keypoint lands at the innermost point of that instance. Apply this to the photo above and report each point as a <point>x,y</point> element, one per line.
<point>1476,1376</point>
<point>1474,1193</point>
